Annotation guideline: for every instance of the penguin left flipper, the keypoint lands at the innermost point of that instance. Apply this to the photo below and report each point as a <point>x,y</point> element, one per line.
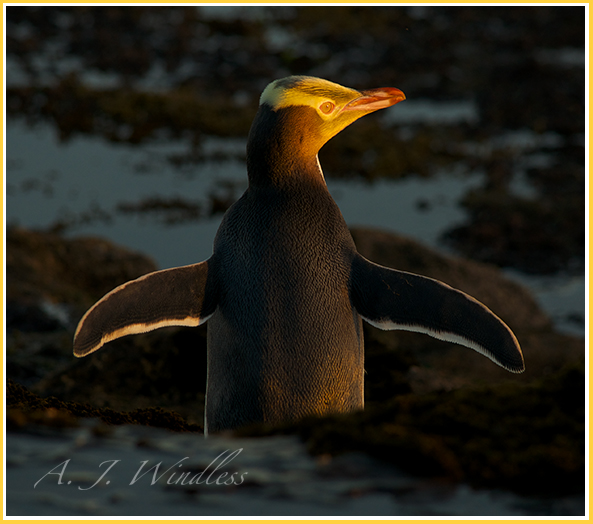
<point>391,299</point>
<point>181,296</point>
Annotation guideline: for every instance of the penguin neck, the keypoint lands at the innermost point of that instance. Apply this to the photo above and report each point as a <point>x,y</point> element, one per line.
<point>282,148</point>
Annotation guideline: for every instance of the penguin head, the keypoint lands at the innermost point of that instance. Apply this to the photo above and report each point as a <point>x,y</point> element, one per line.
<point>299,114</point>
<point>331,107</point>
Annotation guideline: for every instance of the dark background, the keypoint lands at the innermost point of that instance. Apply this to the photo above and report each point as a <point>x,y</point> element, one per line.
<point>523,67</point>
<point>515,63</point>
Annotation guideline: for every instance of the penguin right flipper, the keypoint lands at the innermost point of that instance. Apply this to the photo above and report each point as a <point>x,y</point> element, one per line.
<point>391,299</point>
<point>181,296</point>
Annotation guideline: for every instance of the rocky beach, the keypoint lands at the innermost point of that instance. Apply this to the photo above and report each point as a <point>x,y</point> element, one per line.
<point>444,432</point>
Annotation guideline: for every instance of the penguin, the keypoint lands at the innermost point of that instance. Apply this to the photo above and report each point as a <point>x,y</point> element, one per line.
<point>285,291</point>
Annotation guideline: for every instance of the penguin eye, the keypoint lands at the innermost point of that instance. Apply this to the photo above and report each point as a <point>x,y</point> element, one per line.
<point>327,107</point>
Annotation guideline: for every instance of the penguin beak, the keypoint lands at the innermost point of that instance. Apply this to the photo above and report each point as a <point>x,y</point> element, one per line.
<point>373,99</point>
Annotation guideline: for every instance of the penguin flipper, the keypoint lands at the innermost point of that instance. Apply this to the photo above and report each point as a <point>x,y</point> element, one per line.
<point>391,299</point>
<point>181,296</point>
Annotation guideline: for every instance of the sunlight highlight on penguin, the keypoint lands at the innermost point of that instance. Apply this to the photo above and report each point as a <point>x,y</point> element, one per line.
<point>285,291</point>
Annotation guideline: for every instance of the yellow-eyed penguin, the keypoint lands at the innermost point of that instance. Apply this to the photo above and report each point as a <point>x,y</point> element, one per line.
<point>285,290</point>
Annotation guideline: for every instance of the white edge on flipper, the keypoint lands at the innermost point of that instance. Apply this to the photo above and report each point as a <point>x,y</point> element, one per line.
<point>135,329</point>
<point>443,335</point>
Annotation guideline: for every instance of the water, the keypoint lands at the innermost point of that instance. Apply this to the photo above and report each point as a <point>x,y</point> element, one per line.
<point>116,473</point>
<point>63,182</point>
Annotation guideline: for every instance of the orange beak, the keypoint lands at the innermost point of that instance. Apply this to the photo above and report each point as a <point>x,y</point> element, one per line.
<point>373,99</point>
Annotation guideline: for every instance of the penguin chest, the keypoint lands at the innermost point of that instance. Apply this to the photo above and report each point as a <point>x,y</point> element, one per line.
<point>294,313</point>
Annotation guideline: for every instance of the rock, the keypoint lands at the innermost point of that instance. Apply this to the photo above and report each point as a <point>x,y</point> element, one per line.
<point>164,368</point>
<point>37,317</point>
<point>50,282</point>
<point>41,265</point>
<point>528,438</point>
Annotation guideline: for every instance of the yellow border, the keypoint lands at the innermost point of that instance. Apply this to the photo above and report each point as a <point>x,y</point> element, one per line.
<point>2,237</point>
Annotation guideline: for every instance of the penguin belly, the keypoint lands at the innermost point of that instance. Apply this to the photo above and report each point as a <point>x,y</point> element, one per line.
<point>285,341</point>
<point>266,367</point>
